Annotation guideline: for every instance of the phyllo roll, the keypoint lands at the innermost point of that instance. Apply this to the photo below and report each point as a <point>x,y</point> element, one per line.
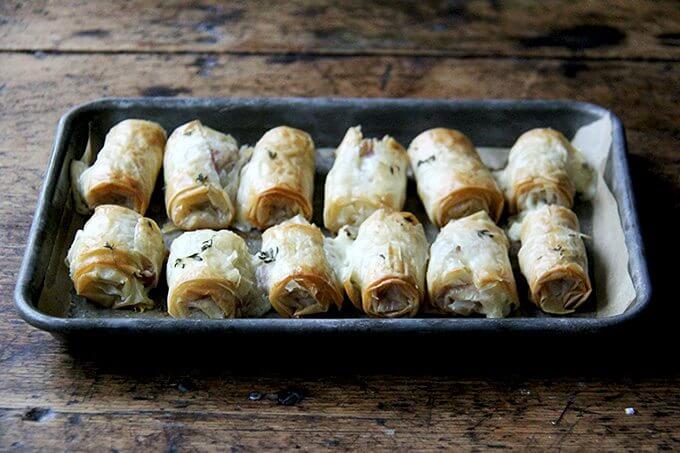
<point>544,168</point>
<point>553,259</point>
<point>278,182</point>
<point>116,258</point>
<point>295,269</point>
<point>211,275</point>
<point>201,168</point>
<point>452,180</point>
<point>384,271</point>
<point>125,170</point>
<point>368,174</point>
<point>469,270</point>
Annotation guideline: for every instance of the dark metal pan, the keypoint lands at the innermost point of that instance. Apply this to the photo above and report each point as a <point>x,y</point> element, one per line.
<point>44,295</point>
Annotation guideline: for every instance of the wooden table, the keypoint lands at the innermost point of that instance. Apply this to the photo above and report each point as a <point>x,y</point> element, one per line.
<point>623,55</point>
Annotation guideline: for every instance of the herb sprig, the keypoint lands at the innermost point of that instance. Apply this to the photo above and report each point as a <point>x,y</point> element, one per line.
<point>268,256</point>
<point>432,158</point>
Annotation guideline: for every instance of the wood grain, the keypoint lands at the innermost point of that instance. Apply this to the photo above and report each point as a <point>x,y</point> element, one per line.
<point>622,55</point>
<point>614,29</point>
<point>48,399</point>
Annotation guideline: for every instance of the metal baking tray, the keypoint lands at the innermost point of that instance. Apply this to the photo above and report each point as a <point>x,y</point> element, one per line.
<point>44,294</point>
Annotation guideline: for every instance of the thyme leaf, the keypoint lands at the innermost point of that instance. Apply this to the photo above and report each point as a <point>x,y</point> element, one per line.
<point>108,245</point>
<point>432,158</point>
<point>195,256</point>
<point>484,233</point>
<point>207,244</point>
<point>202,178</point>
<point>268,256</point>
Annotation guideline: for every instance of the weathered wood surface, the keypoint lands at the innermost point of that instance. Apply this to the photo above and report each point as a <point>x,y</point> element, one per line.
<point>49,399</point>
<point>617,29</point>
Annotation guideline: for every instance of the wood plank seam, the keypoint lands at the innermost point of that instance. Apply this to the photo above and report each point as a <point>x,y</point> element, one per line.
<point>340,54</point>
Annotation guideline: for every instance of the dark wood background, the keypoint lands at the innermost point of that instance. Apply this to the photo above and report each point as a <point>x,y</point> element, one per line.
<point>623,55</point>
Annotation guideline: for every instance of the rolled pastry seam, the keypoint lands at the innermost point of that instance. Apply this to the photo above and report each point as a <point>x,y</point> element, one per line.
<point>544,168</point>
<point>452,180</point>
<point>125,170</point>
<point>553,259</point>
<point>201,168</point>
<point>384,275</point>
<point>278,182</point>
<point>469,271</point>
<point>116,258</point>
<point>296,271</point>
<point>368,174</point>
<point>211,275</point>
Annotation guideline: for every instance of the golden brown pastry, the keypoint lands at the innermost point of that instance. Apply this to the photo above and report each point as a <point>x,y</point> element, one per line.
<point>126,168</point>
<point>368,174</point>
<point>452,180</point>
<point>278,182</point>
<point>469,270</point>
<point>553,259</point>
<point>211,275</point>
<point>544,168</point>
<point>201,168</point>
<point>296,271</point>
<point>383,270</point>
<point>116,258</point>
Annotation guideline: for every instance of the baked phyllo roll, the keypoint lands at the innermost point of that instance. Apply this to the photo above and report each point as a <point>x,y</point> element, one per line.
<point>544,168</point>
<point>469,270</point>
<point>116,258</point>
<point>553,259</point>
<point>278,182</point>
<point>384,273</point>
<point>368,174</point>
<point>125,170</point>
<point>295,269</point>
<point>211,275</point>
<point>452,180</point>
<point>201,168</point>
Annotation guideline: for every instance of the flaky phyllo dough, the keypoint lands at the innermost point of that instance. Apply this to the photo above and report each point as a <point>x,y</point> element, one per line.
<point>278,182</point>
<point>125,170</point>
<point>469,270</point>
<point>201,168</point>
<point>368,174</point>
<point>383,269</point>
<point>553,259</point>
<point>295,269</point>
<point>211,275</point>
<point>116,258</point>
<point>452,180</point>
<point>544,168</point>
